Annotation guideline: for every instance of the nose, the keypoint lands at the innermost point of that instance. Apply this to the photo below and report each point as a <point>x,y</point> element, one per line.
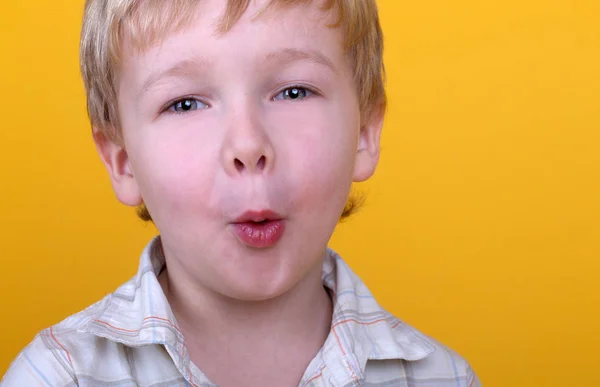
<point>247,148</point>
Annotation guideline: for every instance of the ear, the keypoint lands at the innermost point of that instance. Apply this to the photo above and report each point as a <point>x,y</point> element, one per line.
<point>115,159</point>
<point>367,155</point>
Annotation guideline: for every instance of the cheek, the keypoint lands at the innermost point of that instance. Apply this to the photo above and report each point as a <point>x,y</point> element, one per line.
<point>176,171</point>
<point>321,155</point>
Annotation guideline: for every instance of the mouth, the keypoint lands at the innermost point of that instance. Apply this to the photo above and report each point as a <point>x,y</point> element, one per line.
<point>263,216</point>
<point>259,229</point>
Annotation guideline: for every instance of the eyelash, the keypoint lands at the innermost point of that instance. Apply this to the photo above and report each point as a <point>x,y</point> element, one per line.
<point>308,91</point>
<point>171,106</point>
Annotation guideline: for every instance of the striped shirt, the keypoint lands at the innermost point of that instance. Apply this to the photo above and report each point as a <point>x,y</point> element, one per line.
<point>131,338</point>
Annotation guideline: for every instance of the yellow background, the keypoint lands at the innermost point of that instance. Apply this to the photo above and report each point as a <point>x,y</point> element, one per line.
<point>482,225</point>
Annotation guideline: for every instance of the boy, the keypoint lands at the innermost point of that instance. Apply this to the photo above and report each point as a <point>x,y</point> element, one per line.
<point>240,127</point>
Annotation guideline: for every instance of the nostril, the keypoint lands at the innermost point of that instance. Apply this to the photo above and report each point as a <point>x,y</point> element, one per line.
<point>241,166</point>
<point>261,163</point>
<point>238,165</point>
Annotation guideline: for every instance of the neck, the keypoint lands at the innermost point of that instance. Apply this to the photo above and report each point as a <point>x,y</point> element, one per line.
<point>301,317</point>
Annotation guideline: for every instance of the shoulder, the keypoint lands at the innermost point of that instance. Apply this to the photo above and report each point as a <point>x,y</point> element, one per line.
<point>41,363</point>
<point>49,360</point>
<point>444,364</point>
<point>421,360</point>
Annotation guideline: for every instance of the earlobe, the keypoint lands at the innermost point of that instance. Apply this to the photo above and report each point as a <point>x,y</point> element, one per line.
<point>116,160</point>
<point>369,143</point>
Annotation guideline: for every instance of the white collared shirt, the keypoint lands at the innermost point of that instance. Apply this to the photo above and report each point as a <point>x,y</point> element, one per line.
<point>131,338</point>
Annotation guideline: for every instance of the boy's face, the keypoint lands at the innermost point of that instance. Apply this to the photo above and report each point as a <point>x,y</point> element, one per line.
<point>262,118</point>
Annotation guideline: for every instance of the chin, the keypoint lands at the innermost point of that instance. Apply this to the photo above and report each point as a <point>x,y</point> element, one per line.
<point>255,289</point>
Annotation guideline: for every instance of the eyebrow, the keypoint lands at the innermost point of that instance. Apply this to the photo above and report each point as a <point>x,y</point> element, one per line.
<point>289,55</point>
<point>186,68</point>
<point>190,68</point>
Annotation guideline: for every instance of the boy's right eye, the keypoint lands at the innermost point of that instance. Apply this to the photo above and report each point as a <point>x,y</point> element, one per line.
<point>186,105</point>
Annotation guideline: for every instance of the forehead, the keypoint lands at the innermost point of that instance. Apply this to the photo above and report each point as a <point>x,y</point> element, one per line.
<point>149,23</point>
<point>264,32</point>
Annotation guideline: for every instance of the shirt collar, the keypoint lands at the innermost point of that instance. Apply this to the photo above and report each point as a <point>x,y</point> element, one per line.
<point>138,314</point>
<point>361,329</point>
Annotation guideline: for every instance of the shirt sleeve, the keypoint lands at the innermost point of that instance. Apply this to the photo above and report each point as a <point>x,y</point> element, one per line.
<point>40,365</point>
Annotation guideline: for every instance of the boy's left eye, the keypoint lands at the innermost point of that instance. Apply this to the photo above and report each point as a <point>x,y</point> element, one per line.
<point>293,93</point>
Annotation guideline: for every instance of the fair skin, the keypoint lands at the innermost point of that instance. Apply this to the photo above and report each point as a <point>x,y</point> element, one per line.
<point>212,128</point>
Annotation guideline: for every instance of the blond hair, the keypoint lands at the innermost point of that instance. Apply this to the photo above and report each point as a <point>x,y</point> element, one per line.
<point>107,23</point>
